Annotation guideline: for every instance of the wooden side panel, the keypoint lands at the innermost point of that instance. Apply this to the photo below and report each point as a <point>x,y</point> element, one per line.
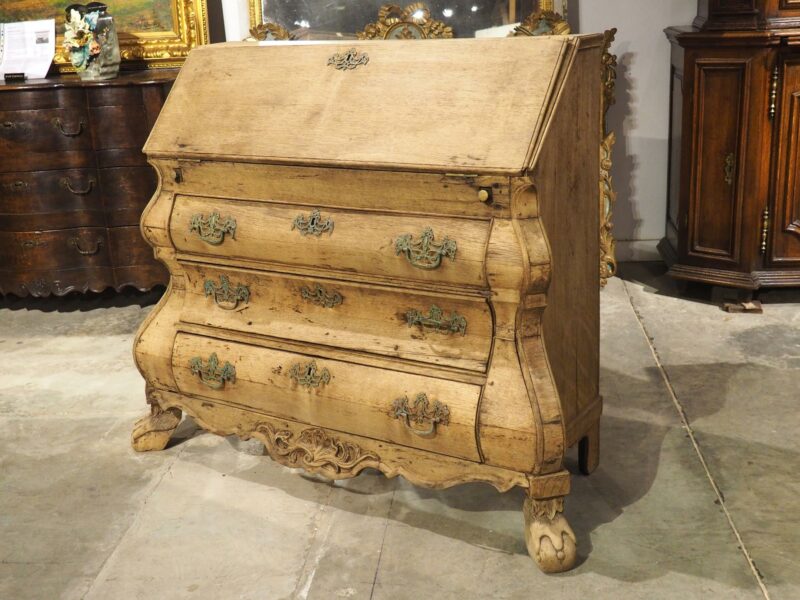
<point>785,245</point>
<point>567,187</point>
<point>675,146</point>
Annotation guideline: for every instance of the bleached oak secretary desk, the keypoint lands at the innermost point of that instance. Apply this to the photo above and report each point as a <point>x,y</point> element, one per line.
<point>384,255</point>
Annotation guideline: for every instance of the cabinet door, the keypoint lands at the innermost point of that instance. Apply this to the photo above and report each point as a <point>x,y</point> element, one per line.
<point>727,137</point>
<point>785,218</point>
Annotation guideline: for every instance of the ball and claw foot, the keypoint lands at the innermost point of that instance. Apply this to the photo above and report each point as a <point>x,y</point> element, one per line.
<point>153,431</point>
<point>550,539</point>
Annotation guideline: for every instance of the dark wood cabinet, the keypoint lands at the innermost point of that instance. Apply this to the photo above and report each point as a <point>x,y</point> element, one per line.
<point>74,182</point>
<point>727,15</point>
<point>733,213</point>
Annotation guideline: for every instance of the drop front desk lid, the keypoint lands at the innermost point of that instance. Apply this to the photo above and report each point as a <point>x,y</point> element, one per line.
<point>460,105</point>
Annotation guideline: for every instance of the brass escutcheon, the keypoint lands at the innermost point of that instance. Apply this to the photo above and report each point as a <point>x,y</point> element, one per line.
<point>307,375</point>
<point>314,224</point>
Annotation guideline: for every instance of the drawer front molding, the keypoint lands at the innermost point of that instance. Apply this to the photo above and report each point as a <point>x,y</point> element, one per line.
<point>314,224</point>
<point>321,297</point>
<point>425,253</point>
<point>424,415</point>
<point>226,295</point>
<point>211,373</point>
<point>436,319</point>
<point>308,376</point>
<point>212,229</point>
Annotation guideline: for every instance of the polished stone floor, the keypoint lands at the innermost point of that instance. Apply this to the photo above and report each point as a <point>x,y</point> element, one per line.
<point>697,494</point>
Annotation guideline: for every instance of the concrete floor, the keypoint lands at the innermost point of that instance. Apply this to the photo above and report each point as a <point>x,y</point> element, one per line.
<point>697,494</point>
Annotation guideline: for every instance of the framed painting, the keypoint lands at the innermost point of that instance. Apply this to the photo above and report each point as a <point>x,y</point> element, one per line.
<point>152,33</point>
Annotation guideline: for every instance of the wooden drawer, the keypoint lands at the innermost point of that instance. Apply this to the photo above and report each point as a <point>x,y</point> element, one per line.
<point>63,249</point>
<point>387,246</point>
<point>330,393</point>
<point>49,130</point>
<point>50,200</point>
<point>357,317</point>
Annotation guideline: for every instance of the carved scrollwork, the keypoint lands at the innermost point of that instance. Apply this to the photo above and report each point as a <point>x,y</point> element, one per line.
<point>269,31</point>
<point>437,320</point>
<point>315,450</point>
<point>608,261</point>
<point>412,22</point>
<point>543,22</point>
<point>425,253</point>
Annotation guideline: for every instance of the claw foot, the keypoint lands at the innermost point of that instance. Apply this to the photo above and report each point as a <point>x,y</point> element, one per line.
<point>153,431</point>
<point>550,539</point>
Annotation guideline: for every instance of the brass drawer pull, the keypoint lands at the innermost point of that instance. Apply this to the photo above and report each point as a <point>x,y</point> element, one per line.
<point>425,253</point>
<point>211,373</point>
<point>730,164</point>
<point>320,296</point>
<point>16,186</point>
<point>422,412</point>
<point>76,243</point>
<point>314,224</point>
<point>307,375</point>
<point>9,125</point>
<point>58,125</point>
<point>225,295</point>
<point>212,230</point>
<point>66,183</point>
<point>436,319</point>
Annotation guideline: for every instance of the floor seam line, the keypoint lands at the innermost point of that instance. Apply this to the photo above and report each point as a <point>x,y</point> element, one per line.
<point>695,444</point>
<point>383,542</point>
<point>166,469</point>
<point>316,519</point>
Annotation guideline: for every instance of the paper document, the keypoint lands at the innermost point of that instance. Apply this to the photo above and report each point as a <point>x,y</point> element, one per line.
<point>27,47</point>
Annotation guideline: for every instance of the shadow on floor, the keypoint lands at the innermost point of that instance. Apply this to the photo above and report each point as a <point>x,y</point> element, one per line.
<point>78,302</point>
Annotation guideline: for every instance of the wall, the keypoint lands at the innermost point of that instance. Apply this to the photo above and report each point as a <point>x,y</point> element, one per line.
<point>640,116</point>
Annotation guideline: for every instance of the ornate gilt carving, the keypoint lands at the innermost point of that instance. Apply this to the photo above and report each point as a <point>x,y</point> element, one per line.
<point>412,22</point>
<point>543,22</point>
<point>269,31</point>
<point>608,261</point>
<point>315,450</point>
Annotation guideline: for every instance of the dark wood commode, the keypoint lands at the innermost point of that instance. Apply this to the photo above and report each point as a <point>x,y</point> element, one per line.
<point>734,200</point>
<point>74,182</point>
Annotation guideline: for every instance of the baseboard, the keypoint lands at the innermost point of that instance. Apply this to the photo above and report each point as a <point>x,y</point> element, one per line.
<point>637,250</point>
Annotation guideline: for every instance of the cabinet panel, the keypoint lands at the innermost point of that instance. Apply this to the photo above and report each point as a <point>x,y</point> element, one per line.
<point>785,245</point>
<point>721,103</point>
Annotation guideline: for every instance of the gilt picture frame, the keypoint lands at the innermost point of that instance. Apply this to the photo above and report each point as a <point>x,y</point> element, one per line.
<point>152,33</point>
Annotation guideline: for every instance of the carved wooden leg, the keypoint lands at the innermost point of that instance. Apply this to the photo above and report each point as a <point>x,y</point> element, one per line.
<point>550,539</point>
<point>153,431</point>
<point>589,450</point>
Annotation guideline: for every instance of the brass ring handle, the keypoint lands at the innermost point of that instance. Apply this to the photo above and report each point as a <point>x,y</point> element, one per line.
<point>730,164</point>
<point>421,412</point>
<point>66,183</point>
<point>76,243</point>
<point>58,125</point>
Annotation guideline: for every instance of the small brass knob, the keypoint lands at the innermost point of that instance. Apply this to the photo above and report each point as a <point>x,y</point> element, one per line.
<point>484,195</point>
